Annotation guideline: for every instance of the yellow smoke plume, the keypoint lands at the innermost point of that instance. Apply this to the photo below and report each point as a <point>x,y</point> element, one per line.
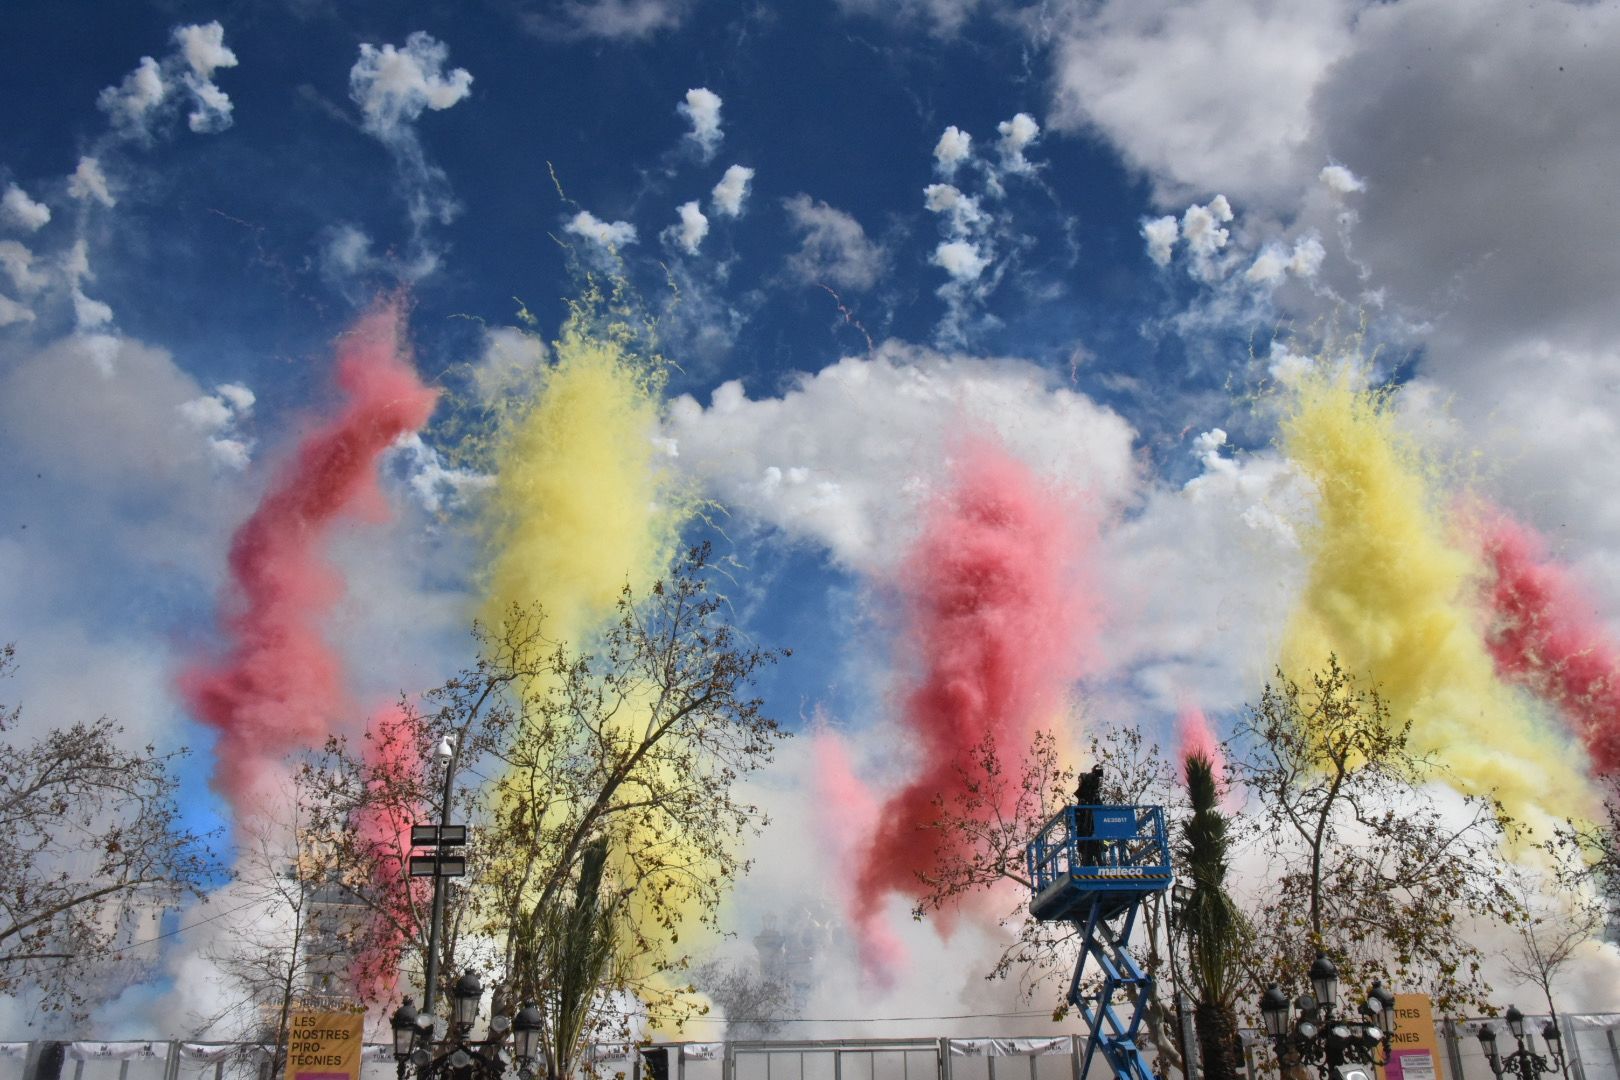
<point>1390,596</point>
<point>584,502</point>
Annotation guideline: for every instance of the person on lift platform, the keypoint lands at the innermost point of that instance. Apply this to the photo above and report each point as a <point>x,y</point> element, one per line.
<point>1088,794</point>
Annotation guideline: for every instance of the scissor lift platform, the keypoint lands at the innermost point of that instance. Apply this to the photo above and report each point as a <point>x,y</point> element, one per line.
<point>1093,866</point>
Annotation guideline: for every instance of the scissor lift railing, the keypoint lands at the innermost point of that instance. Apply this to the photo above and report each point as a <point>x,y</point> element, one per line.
<point>1093,866</point>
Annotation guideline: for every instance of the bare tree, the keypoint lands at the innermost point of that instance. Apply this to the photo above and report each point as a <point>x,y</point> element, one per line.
<point>1367,868</point>
<point>755,1001</point>
<point>610,790</point>
<point>94,854</point>
<point>291,939</point>
<point>1560,915</point>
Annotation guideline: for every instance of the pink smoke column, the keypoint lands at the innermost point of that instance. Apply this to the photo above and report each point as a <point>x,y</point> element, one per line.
<point>1000,621</point>
<point>393,762</point>
<point>847,812</point>
<point>279,687</point>
<point>1545,635</point>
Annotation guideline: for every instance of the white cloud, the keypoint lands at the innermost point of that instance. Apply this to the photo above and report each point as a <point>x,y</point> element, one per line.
<point>435,485</point>
<point>943,17</point>
<point>213,108</point>
<point>208,413</point>
<point>90,314</point>
<point>1340,180</point>
<point>217,417</point>
<point>608,235</point>
<point>1161,235</point>
<point>393,86</point>
<point>12,312</point>
<point>692,228</point>
<point>16,208</point>
<point>18,263</point>
<point>732,190</point>
<point>141,103</point>
<point>509,362</point>
<point>632,20</point>
<point>846,455</point>
<point>347,251</point>
<point>240,397</point>
<point>1017,135</point>
<point>1207,574</point>
<point>203,47</point>
<point>962,211</point>
<point>834,247</point>
<point>1202,94</point>
<point>89,182</point>
<point>131,104</point>
<point>955,146</point>
<point>702,110</point>
<point>961,259</point>
<point>1275,261</point>
<point>1201,227</point>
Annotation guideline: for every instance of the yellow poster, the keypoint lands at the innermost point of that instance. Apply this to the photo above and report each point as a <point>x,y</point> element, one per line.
<point>1414,1052</point>
<point>325,1046</point>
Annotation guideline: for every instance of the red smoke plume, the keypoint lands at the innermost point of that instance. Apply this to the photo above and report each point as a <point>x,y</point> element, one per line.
<point>393,761</point>
<point>1000,622</point>
<point>279,686</point>
<point>1545,635</point>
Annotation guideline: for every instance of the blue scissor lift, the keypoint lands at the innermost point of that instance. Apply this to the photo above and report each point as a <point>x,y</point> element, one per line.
<point>1093,866</point>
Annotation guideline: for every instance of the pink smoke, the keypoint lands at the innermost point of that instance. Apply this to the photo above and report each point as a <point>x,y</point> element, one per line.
<point>279,687</point>
<point>393,761</point>
<point>1195,735</point>
<point>1545,635</point>
<point>847,812</point>
<point>1000,620</point>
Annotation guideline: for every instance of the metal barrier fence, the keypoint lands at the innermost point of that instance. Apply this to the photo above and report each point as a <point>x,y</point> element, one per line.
<point>1592,1043</point>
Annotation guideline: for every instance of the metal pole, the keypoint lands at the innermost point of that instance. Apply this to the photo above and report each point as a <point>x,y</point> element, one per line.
<point>436,920</point>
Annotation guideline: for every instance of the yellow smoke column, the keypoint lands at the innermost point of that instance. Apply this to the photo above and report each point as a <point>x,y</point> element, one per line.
<point>584,501</point>
<point>1390,596</point>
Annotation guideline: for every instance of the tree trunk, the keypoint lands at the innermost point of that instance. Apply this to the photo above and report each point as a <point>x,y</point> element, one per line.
<point>1218,1044</point>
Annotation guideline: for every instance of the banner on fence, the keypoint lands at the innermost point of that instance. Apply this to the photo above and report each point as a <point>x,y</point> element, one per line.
<point>325,1046</point>
<point>1415,1046</point>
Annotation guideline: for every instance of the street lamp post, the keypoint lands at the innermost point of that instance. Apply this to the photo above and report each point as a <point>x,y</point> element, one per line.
<point>1334,1045</point>
<point>458,1056</point>
<point>1524,1063</point>
<point>430,987</point>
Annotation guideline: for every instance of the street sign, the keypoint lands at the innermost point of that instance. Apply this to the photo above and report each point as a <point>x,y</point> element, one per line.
<point>438,835</point>
<point>1414,1048</point>
<point>325,1045</point>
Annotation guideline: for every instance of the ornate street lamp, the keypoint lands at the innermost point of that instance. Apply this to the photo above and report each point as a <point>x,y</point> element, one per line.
<point>1524,1063</point>
<point>457,1053</point>
<point>1317,1037</point>
<point>404,1024</point>
<point>527,1028</point>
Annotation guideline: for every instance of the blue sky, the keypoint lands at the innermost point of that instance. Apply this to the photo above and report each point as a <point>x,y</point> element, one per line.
<point>1161,202</point>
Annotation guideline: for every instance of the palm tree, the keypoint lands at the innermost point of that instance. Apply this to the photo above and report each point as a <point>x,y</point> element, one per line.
<point>1215,928</point>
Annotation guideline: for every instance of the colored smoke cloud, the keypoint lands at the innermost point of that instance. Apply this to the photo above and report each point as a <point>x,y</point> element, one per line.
<point>583,499</point>
<point>1544,633</point>
<point>848,812</point>
<point>393,759</point>
<point>1194,735</point>
<point>279,687</point>
<point>585,502</point>
<point>999,623</point>
<point>1392,597</point>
